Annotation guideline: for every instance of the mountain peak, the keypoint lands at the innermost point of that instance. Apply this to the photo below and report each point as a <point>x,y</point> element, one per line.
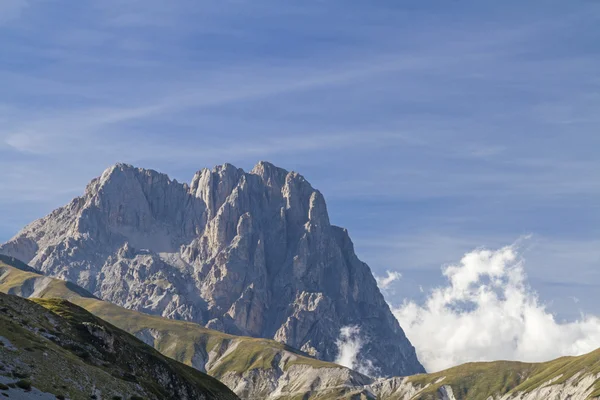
<point>120,174</point>
<point>248,253</point>
<point>265,167</point>
<point>270,174</point>
<point>119,169</point>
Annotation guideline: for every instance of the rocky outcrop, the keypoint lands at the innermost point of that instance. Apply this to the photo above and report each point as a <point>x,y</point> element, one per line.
<point>582,385</point>
<point>245,253</point>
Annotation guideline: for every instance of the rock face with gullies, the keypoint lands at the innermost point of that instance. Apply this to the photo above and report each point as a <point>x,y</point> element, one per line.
<point>246,253</point>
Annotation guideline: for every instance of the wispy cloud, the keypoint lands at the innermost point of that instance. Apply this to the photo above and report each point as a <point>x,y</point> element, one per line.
<point>384,282</point>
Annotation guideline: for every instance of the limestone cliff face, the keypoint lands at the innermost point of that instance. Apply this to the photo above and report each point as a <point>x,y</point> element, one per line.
<point>245,253</point>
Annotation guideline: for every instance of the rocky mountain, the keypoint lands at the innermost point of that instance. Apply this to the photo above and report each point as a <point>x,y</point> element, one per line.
<point>264,369</point>
<point>56,350</point>
<point>244,253</point>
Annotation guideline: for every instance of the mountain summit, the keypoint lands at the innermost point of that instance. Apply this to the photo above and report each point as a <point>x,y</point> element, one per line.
<point>245,253</point>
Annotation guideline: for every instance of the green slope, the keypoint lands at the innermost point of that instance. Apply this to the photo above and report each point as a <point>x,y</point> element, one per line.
<point>498,378</point>
<point>221,355</point>
<point>59,348</point>
<point>179,340</point>
<point>225,356</point>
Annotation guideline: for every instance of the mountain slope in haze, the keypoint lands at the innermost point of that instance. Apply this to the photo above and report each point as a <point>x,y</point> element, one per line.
<point>54,349</point>
<point>264,369</point>
<point>249,254</point>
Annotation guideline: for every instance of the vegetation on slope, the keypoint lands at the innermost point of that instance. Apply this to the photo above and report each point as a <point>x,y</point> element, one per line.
<point>221,355</point>
<point>484,379</point>
<point>224,354</point>
<point>59,348</point>
<point>179,340</point>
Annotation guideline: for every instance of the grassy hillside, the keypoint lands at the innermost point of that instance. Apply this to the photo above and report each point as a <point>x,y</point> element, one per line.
<point>59,349</point>
<point>229,358</point>
<point>242,362</point>
<point>498,378</point>
<point>177,339</point>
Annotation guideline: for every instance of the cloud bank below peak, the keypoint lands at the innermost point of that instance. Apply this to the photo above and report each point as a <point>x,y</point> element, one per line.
<point>486,311</point>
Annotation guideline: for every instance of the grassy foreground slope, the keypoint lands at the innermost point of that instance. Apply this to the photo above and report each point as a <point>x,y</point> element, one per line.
<point>265,369</point>
<point>254,368</point>
<point>55,349</point>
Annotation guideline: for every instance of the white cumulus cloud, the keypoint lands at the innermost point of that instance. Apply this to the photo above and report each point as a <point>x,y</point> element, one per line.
<point>385,281</point>
<point>486,311</point>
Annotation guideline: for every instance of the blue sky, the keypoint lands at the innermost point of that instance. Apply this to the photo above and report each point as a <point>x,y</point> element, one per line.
<point>432,127</point>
